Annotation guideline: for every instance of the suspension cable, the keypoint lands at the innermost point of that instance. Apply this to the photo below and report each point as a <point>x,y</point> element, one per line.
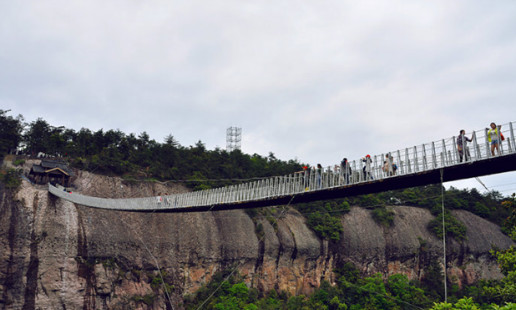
<point>444,236</point>
<point>481,183</point>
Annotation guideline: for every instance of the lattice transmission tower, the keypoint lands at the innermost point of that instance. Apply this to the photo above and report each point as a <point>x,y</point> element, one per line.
<point>233,138</point>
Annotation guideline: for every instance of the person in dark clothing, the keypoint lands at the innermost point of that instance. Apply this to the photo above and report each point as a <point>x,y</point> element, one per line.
<point>345,170</point>
<point>462,141</point>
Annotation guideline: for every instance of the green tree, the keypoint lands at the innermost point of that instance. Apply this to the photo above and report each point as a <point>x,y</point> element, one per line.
<point>375,295</point>
<point>84,144</point>
<point>405,294</point>
<point>56,143</point>
<point>237,298</point>
<point>10,132</point>
<point>506,290</point>
<point>462,304</point>
<point>37,137</point>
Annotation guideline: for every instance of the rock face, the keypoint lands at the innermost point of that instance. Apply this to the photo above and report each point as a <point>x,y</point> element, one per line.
<point>57,255</point>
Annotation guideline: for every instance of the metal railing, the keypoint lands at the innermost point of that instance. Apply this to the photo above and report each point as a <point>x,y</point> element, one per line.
<point>418,158</point>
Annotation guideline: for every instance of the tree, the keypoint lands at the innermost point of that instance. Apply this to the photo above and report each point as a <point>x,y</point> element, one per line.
<point>507,258</point>
<point>37,137</point>
<point>170,140</point>
<point>10,132</point>
<point>503,291</point>
<point>84,143</point>
<point>56,141</point>
<point>406,294</point>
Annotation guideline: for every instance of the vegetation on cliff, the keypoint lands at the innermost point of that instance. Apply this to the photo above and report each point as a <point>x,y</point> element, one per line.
<point>323,217</point>
<point>10,178</point>
<point>350,292</point>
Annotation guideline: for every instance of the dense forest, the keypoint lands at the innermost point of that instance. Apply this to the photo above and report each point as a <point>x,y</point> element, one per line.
<point>113,152</point>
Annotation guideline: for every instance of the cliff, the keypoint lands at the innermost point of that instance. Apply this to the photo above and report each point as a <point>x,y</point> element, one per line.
<point>57,255</point>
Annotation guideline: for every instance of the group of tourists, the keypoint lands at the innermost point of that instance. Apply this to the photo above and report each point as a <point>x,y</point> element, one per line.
<point>494,137</point>
<point>389,167</point>
<point>166,200</point>
<point>344,172</point>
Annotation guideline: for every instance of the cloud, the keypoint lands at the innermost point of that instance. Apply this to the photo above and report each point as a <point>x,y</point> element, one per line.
<point>313,81</point>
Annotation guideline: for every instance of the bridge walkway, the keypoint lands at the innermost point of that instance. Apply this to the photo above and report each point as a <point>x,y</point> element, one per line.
<point>428,163</point>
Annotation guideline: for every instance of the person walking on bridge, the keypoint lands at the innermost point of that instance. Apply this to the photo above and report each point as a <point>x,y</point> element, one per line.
<point>318,174</point>
<point>462,146</point>
<point>367,168</point>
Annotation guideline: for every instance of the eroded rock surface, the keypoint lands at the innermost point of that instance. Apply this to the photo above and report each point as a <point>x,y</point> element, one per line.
<point>57,255</point>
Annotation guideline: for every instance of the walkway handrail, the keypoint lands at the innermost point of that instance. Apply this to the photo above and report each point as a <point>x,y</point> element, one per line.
<point>408,161</point>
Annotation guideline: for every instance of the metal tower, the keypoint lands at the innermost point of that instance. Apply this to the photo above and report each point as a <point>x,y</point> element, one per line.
<point>233,138</point>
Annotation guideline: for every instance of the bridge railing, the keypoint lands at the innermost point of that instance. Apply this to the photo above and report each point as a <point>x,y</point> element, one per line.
<point>418,158</point>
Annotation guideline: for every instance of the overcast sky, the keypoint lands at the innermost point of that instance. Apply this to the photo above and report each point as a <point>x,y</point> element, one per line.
<point>307,80</point>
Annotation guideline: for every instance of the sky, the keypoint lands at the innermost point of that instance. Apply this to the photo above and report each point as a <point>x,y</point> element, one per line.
<point>314,81</point>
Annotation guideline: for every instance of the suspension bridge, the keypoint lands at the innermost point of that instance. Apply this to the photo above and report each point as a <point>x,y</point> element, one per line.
<point>428,163</point>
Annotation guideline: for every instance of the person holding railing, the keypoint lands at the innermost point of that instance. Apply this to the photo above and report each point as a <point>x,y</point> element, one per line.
<point>493,136</point>
<point>388,165</point>
<point>318,175</point>
<point>367,167</point>
<point>462,147</point>
<point>345,170</point>
<point>306,177</point>
<point>167,199</point>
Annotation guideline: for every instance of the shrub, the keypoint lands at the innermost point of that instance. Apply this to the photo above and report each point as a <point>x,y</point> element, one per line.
<point>10,178</point>
<point>454,228</point>
<point>383,216</point>
<point>324,217</point>
<point>19,162</point>
<point>325,225</point>
<point>146,299</point>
